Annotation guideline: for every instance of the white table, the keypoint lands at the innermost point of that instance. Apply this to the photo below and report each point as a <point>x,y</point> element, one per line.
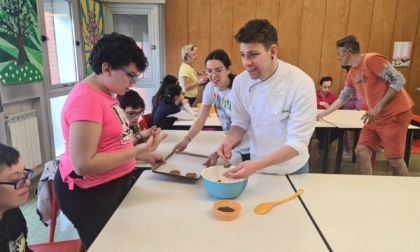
<point>211,122</point>
<point>364,213</point>
<point>204,143</point>
<point>163,213</point>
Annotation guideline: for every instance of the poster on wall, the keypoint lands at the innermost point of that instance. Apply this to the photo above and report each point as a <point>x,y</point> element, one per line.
<point>402,54</point>
<point>20,44</point>
<point>92,25</point>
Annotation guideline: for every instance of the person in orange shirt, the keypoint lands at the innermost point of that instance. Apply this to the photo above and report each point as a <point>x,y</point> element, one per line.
<point>389,114</point>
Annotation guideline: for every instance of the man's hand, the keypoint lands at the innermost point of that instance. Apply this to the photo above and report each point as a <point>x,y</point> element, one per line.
<point>243,170</point>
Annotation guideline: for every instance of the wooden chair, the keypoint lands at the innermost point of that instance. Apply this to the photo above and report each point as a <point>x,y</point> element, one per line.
<point>51,246</point>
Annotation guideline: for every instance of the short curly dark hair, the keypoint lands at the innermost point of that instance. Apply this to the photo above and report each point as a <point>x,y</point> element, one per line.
<point>8,156</point>
<point>258,31</point>
<point>349,42</point>
<point>118,50</point>
<point>131,99</point>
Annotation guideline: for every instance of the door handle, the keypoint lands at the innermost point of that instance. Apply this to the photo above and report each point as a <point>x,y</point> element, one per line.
<point>418,89</point>
<point>152,47</point>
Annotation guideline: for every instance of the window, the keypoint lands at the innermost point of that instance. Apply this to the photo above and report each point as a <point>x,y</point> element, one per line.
<point>61,41</point>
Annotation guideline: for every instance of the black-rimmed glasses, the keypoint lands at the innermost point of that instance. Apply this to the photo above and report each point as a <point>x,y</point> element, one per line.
<point>20,182</point>
<point>133,114</point>
<point>134,77</point>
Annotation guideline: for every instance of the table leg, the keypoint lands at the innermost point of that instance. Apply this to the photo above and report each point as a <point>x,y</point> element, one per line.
<point>339,150</point>
<point>355,141</point>
<point>408,142</point>
<point>324,159</point>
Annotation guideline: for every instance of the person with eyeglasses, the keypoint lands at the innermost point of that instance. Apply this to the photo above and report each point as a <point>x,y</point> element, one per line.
<point>381,87</point>
<point>272,100</point>
<point>188,76</point>
<point>14,184</point>
<point>133,106</point>
<point>169,111</point>
<point>97,167</point>
<point>218,68</point>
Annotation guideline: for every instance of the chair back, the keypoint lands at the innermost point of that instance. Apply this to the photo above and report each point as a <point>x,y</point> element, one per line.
<point>62,246</point>
<point>146,121</point>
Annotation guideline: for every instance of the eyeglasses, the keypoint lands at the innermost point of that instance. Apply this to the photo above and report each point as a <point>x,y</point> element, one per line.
<point>133,114</point>
<point>134,77</point>
<point>216,71</point>
<point>20,182</point>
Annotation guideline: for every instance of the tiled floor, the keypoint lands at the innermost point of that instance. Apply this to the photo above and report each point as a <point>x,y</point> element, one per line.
<point>38,233</point>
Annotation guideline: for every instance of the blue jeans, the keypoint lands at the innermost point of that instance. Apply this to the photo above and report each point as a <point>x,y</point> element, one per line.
<point>304,169</point>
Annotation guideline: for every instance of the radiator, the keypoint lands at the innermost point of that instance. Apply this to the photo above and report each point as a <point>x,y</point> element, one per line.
<point>22,133</point>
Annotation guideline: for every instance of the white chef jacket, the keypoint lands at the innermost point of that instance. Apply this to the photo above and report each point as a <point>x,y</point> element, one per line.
<point>276,112</point>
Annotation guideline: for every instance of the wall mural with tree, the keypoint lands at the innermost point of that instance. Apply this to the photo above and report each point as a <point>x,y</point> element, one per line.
<point>20,45</point>
<point>92,25</point>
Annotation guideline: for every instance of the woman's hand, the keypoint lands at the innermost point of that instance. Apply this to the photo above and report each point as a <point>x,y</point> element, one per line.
<point>203,80</point>
<point>184,101</point>
<point>212,159</point>
<point>151,157</point>
<point>181,146</point>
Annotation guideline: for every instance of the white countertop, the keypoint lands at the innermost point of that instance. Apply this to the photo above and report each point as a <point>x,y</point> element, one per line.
<point>163,213</point>
<point>364,213</point>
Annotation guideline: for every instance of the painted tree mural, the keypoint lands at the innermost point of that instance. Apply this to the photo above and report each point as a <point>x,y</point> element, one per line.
<point>92,24</point>
<point>17,24</point>
<point>20,45</point>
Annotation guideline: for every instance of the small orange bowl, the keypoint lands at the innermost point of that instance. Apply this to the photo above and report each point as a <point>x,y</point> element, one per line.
<point>226,210</point>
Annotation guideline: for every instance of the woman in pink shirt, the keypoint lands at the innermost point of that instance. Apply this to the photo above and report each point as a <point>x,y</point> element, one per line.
<point>96,170</point>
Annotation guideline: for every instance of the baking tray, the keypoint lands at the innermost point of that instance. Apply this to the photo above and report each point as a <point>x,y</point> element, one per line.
<point>187,164</point>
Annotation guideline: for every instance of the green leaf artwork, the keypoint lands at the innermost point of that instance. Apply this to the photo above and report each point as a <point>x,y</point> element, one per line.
<point>20,47</point>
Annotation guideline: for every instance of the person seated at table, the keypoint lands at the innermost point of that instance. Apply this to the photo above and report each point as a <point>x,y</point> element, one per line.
<point>168,110</point>
<point>98,165</point>
<point>218,68</point>
<point>14,185</point>
<point>324,98</point>
<point>354,103</point>
<point>157,98</point>
<point>133,106</point>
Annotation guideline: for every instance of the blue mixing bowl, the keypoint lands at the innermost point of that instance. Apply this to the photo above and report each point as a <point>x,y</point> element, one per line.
<point>220,186</point>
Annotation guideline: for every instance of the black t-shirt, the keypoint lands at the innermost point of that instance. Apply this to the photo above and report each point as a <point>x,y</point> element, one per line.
<point>13,232</point>
<point>161,119</point>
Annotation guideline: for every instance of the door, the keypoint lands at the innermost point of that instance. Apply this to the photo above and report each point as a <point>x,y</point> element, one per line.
<point>143,23</point>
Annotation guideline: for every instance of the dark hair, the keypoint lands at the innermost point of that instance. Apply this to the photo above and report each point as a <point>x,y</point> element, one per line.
<point>223,57</point>
<point>131,99</point>
<point>117,50</point>
<point>258,31</point>
<point>350,43</point>
<point>170,92</point>
<point>167,80</point>
<point>324,79</point>
<point>8,155</point>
